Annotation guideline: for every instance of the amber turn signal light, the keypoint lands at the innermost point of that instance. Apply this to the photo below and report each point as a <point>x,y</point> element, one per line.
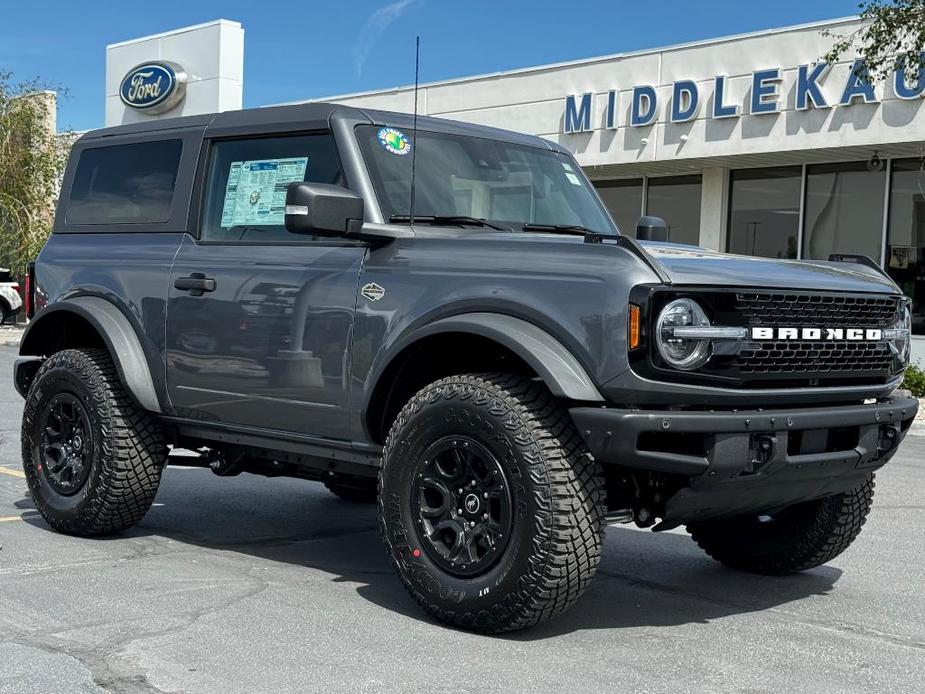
<point>632,327</point>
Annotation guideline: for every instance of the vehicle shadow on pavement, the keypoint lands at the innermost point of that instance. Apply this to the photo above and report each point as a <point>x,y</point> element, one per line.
<point>665,580</point>
<point>645,579</point>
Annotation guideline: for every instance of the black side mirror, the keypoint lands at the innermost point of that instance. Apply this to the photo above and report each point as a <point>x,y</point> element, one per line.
<point>322,209</point>
<point>651,229</point>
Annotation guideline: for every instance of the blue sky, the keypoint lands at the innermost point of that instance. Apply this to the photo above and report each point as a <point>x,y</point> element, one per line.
<point>317,48</point>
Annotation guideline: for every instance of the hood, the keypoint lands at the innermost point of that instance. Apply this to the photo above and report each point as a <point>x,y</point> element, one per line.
<point>692,265</point>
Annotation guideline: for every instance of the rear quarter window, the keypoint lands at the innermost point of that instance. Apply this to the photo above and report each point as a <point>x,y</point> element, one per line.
<point>125,184</point>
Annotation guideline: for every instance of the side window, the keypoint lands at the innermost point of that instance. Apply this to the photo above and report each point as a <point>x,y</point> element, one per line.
<point>125,184</point>
<point>246,189</point>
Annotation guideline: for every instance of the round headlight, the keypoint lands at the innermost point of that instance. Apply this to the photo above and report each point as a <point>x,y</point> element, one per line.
<point>682,353</point>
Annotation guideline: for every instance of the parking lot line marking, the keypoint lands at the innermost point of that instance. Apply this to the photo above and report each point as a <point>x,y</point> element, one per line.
<point>12,472</point>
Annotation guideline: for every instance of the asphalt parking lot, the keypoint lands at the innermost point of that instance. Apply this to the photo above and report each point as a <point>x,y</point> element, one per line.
<point>254,585</point>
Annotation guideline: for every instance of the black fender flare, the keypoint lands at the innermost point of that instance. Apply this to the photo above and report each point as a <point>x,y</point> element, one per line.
<point>550,359</point>
<point>118,335</point>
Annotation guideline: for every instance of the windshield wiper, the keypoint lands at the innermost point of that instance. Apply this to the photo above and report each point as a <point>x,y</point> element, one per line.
<point>453,220</point>
<point>576,229</point>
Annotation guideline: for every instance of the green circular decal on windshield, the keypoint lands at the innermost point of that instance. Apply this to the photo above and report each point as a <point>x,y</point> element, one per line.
<point>395,141</point>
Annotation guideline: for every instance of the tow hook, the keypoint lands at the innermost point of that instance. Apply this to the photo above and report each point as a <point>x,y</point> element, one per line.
<point>765,448</point>
<point>889,438</point>
<point>762,449</point>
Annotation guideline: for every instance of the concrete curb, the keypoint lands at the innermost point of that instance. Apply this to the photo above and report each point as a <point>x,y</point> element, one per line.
<point>918,426</point>
<point>10,335</point>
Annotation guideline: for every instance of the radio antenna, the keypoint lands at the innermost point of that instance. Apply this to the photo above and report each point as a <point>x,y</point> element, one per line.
<point>414,123</point>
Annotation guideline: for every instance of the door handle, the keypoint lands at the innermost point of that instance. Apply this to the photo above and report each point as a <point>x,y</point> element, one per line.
<point>195,284</point>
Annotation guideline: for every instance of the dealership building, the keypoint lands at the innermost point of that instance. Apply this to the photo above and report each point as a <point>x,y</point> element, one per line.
<point>745,143</point>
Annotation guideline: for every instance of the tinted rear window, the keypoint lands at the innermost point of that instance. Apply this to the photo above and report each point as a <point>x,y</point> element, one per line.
<point>125,184</point>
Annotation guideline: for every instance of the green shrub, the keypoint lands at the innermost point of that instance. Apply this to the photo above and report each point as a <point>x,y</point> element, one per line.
<point>32,159</point>
<point>915,381</point>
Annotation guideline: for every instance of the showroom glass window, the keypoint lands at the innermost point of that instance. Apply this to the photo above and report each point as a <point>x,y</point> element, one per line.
<point>676,199</point>
<point>764,212</point>
<point>623,199</point>
<point>844,210</point>
<point>905,253</point>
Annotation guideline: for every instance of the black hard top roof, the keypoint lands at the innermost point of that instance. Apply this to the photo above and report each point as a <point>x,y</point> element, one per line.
<point>308,116</point>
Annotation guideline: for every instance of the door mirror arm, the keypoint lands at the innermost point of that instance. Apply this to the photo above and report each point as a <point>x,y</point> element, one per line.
<point>320,209</point>
<point>376,234</point>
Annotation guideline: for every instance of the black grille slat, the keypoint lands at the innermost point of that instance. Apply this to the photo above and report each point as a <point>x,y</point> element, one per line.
<point>821,358</point>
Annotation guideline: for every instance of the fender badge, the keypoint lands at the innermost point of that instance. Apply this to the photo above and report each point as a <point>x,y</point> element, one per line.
<point>372,291</point>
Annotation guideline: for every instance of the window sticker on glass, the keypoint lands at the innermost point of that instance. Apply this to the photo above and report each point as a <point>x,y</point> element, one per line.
<point>572,178</point>
<point>394,141</point>
<point>256,190</point>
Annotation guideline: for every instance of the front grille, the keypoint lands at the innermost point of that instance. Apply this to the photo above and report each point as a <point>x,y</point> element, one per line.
<point>816,310</point>
<point>815,362</point>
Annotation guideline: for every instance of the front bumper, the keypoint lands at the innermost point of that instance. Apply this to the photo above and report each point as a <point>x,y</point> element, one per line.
<point>747,460</point>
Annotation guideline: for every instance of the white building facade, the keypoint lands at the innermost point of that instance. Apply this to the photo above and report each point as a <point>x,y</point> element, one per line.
<point>207,66</point>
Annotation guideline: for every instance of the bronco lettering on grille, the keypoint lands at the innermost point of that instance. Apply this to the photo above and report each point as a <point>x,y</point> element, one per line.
<point>853,334</point>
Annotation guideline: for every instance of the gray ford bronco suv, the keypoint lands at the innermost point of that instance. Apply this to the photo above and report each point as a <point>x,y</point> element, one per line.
<point>481,351</point>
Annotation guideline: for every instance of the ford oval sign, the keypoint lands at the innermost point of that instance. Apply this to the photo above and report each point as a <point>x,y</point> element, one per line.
<point>153,87</point>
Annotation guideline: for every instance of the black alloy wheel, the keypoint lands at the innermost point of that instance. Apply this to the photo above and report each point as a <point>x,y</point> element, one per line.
<point>66,444</point>
<point>462,505</point>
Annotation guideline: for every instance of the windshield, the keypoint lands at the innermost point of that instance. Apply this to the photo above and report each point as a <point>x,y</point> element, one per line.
<point>506,184</point>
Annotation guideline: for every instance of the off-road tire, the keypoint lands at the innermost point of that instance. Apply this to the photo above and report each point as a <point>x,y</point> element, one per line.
<point>5,312</point>
<point>128,449</point>
<point>557,492</point>
<point>801,537</point>
<point>357,490</point>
